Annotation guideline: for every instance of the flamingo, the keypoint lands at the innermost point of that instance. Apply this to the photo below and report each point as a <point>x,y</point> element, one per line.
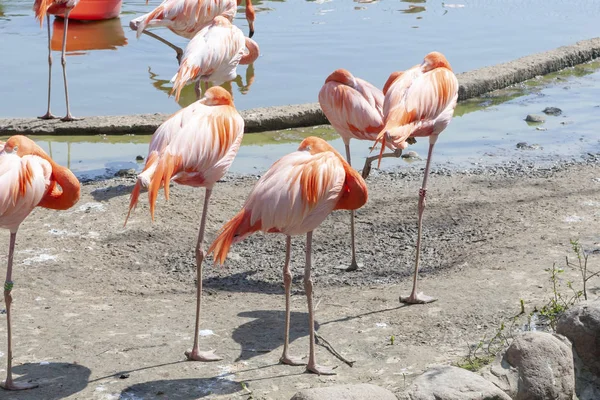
<point>293,197</point>
<point>213,55</point>
<point>187,17</point>
<point>28,178</point>
<point>354,108</point>
<point>195,147</point>
<point>420,102</point>
<point>44,8</point>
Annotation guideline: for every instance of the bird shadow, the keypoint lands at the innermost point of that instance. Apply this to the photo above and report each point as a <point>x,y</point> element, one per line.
<point>105,194</point>
<point>181,389</point>
<point>265,332</point>
<point>55,380</point>
<point>242,282</point>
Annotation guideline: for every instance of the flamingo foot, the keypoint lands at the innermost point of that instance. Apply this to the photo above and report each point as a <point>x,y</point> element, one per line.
<point>289,360</point>
<point>69,118</point>
<point>418,298</point>
<point>17,385</point>
<point>205,356</point>
<point>48,115</point>
<point>319,369</point>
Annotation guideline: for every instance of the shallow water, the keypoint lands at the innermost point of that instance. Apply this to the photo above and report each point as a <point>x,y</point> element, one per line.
<point>484,131</point>
<point>110,72</point>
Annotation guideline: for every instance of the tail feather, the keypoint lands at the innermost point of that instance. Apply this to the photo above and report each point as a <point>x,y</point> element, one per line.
<point>185,74</point>
<point>167,166</point>
<point>135,195</point>
<point>41,7</point>
<point>232,232</point>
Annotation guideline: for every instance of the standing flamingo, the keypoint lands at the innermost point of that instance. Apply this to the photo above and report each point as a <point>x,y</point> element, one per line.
<point>419,102</point>
<point>187,17</point>
<point>44,8</point>
<point>28,178</point>
<point>195,147</point>
<point>293,197</point>
<point>213,55</point>
<point>354,109</point>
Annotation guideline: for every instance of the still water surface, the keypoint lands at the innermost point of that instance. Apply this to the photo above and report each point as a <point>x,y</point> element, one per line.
<point>111,72</point>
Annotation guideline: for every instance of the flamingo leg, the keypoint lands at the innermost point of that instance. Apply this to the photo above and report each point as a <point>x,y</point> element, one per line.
<point>308,288</point>
<point>178,50</point>
<point>197,90</point>
<point>287,282</point>
<point>49,114</point>
<point>9,384</point>
<point>420,298</point>
<point>196,354</point>
<point>367,168</point>
<point>63,61</point>
<point>353,265</point>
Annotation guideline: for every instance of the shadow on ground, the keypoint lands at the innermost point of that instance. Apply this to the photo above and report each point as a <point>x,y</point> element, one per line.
<point>56,381</point>
<point>181,389</point>
<point>265,332</point>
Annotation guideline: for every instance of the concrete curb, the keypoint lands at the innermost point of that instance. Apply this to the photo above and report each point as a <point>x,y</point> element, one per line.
<point>472,84</point>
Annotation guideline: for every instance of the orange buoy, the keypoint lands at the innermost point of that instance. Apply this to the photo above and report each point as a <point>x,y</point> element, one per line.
<point>94,10</point>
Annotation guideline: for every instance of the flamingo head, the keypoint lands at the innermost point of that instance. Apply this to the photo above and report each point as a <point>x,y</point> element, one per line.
<point>217,96</point>
<point>316,145</point>
<point>250,16</point>
<point>435,60</point>
<point>22,145</point>
<point>342,76</point>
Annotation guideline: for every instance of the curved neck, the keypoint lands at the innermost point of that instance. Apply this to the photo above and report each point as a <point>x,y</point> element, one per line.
<point>252,54</point>
<point>354,193</point>
<point>66,194</point>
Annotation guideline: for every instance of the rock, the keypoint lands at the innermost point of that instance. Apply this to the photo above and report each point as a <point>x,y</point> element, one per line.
<point>552,111</point>
<point>541,128</point>
<point>535,118</point>
<point>139,158</point>
<point>410,154</point>
<point>536,366</point>
<point>125,172</point>
<point>363,391</point>
<point>453,383</point>
<point>581,325</point>
<point>526,146</point>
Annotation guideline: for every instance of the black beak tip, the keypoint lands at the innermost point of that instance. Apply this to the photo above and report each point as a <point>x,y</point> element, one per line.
<point>251,34</point>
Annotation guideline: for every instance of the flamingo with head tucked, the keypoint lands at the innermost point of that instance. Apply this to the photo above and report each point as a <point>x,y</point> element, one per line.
<point>188,17</point>
<point>213,56</point>
<point>419,102</point>
<point>195,147</point>
<point>45,8</point>
<point>28,178</point>
<point>294,197</point>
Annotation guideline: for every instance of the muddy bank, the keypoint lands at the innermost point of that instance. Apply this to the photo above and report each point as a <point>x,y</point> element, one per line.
<point>104,311</point>
<point>472,84</point>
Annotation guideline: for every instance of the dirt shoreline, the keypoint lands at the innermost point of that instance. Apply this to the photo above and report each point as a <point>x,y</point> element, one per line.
<point>110,308</point>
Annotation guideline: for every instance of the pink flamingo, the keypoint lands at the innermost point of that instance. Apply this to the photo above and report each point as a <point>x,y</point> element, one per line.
<point>354,108</point>
<point>213,55</point>
<point>195,147</point>
<point>45,8</point>
<point>419,102</point>
<point>28,178</point>
<point>293,197</point>
<point>187,17</point>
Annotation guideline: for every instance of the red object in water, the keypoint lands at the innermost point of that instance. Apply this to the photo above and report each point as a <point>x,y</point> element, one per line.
<point>94,10</point>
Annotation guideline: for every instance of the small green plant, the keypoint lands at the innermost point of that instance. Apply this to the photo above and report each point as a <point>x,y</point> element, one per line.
<point>582,265</point>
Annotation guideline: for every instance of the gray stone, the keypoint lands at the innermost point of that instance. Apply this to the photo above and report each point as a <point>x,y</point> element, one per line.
<point>527,146</point>
<point>453,383</point>
<point>125,172</point>
<point>139,158</point>
<point>536,366</point>
<point>410,154</point>
<point>581,325</point>
<point>552,111</point>
<point>535,118</point>
<point>363,391</point>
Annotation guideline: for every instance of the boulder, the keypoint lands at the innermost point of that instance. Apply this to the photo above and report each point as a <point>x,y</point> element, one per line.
<point>536,366</point>
<point>581,325</point>
<point>453,383</point>
<point>363,391</point>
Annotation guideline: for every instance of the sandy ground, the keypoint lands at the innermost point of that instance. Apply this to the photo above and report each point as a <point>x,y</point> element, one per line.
<point>106,312</point>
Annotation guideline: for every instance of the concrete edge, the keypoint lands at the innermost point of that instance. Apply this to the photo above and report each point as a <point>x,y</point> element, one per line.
<point>472,84</point>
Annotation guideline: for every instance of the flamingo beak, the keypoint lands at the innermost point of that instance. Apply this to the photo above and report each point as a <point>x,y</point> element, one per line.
<point>251,26</point>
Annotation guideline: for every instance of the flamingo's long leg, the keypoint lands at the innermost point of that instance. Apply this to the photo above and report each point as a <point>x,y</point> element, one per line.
<point>177,49</point>
<point>420,298</point>
<point>367,168</point>
<point>196,354</point>
<point>353,265</point>
<point>9,384</point>
<point>308,288</point>
<point>63,61</point>
<point>287,282</point>
<point>49,114</point>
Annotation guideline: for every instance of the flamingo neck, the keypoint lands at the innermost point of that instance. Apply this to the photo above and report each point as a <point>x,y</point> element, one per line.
<point>64,190</point>
<point>252,54</point>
